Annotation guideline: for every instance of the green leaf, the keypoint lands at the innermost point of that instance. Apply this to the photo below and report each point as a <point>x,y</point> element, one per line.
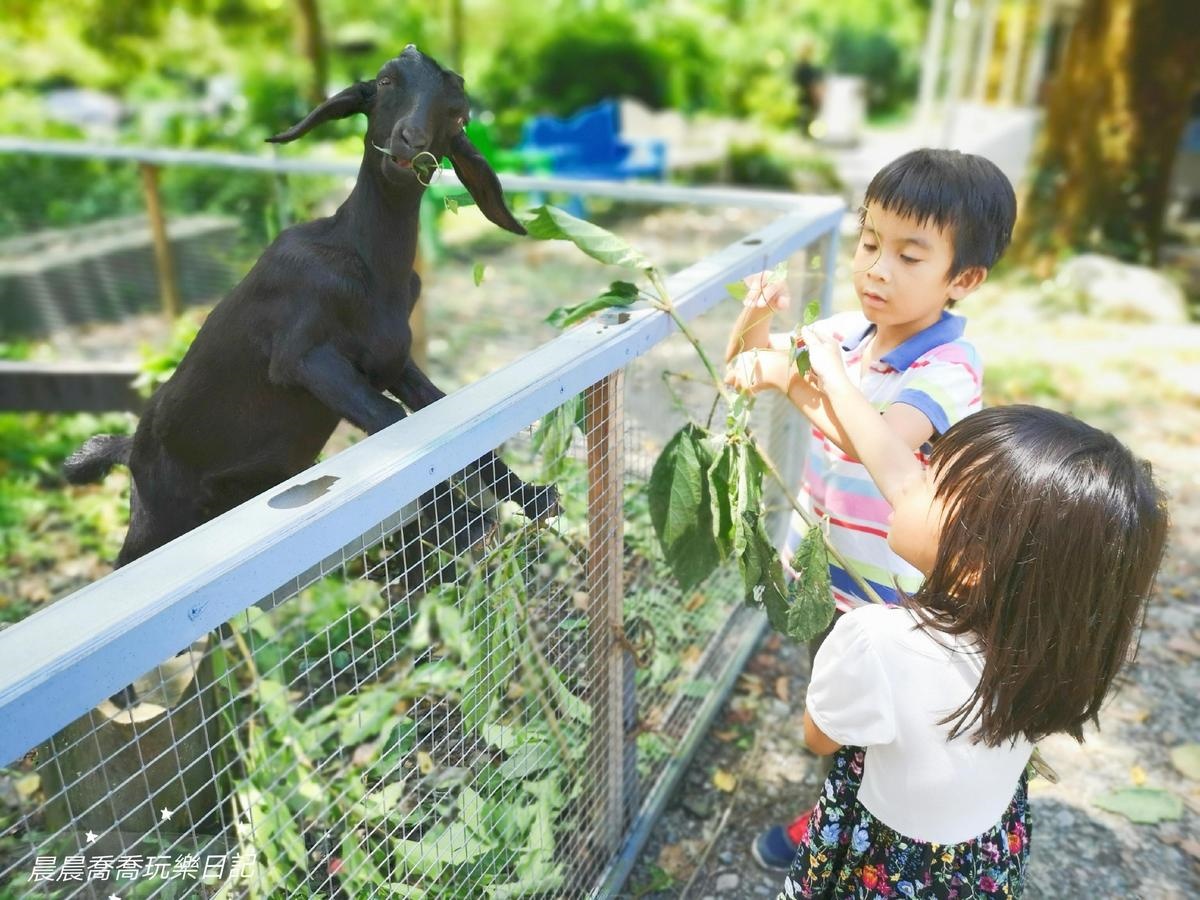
<point>750,468</point>
<point>1146,806</point>
<point>680,507</point>
<point>477,273</point>
<point>721,486</point>
<point>549,223</point>
<point>1186,758</point>
<point>811,608</point>
<point>370,711</point>
<point>618,294</point>
<point>737,290</point>
<point>427,857</point>
<point>812,311</point>
<point>452,206</point>
<point>802,362</point>
<point>778,274</point>
<point>525,760</point>
<point>699,688</point>
<point>762,572</point>
<point>551,441</point>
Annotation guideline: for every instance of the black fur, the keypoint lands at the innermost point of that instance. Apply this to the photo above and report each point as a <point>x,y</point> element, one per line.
<point>316,332</point>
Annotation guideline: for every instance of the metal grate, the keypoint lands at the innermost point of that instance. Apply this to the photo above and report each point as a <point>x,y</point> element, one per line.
<point>381,682</point>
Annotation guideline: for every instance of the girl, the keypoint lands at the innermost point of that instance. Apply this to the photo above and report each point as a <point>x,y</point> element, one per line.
<point>1039,537</point>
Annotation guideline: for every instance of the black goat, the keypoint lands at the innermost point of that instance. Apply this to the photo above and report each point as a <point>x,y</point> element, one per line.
<point>315,333</point>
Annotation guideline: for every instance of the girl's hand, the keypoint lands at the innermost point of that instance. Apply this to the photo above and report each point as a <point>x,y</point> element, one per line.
<point>825,360</point>
<point>763,295</point>
<point>759,370</point>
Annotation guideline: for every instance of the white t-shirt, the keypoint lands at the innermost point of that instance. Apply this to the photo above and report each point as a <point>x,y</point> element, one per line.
<point>881,683</point>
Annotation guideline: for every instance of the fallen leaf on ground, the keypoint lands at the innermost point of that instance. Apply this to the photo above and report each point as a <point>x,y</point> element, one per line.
<point>724,781</point>
<point>696,601</point>
<point>1137,775</point>
<point>726,735</point>
<point>1185,645</point>
<point>1191,848</point>
<point>424,762</point>
<point>1186,758</point>
<point>750,684</point>
<point>783,689</point>
<point>1146,806</point>
<point>1135,715</point>
<point>676,859</point>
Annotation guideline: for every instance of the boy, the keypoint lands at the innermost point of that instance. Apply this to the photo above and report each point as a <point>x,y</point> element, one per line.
<point>933,223</point>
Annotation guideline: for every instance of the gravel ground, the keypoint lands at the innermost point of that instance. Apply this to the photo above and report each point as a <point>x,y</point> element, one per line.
<point>1143,382</point>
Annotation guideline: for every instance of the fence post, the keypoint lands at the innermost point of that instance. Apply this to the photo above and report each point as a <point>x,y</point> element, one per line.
<point>168,286</point>
<point>605,579</point>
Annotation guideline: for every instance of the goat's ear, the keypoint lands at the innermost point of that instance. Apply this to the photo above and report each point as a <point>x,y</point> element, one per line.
<point>354,99</point>
<point>478,178</point>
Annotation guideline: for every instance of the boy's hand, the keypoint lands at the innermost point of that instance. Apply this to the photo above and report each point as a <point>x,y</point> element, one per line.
<point>761,293</point>
<point>825,360</point>
<point>758,370</point>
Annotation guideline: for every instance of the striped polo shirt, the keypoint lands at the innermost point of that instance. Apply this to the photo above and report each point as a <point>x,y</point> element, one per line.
<point>936,371</point>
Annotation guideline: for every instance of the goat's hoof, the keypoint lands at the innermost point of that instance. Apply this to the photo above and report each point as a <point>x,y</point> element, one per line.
<point>540,502</point>
<point>476,533</point>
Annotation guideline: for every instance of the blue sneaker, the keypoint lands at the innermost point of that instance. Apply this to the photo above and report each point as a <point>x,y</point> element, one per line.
<point>773,849</point>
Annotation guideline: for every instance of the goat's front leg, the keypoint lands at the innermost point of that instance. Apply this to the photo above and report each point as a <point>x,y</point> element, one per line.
<point>538,502</point>
<point>331,378</point>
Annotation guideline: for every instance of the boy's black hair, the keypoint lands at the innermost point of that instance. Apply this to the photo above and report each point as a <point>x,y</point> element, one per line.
<point>965,195</point>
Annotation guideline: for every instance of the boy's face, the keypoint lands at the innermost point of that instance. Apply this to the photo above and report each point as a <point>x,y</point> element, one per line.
<point>900,269</point>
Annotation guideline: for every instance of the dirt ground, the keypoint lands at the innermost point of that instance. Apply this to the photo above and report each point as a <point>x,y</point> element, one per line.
<point>1141,381</point>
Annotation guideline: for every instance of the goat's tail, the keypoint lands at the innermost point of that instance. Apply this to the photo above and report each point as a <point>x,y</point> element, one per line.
<point>96,457</point>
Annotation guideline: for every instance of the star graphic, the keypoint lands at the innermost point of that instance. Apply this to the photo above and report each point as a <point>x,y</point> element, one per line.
<point>91,837</point>
<point>166,814</point>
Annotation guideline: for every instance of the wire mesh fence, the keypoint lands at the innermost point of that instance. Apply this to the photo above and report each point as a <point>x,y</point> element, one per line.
<point>457,704</point>
<point>449,701</point>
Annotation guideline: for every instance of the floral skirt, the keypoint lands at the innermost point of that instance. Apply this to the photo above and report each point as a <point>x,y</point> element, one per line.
<point>849,853</point>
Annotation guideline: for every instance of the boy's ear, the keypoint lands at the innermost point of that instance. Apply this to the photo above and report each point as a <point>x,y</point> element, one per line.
<point>966,281</point>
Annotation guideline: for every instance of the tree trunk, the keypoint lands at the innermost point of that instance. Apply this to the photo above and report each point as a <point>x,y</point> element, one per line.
<point>311,40</point>
<point>457,32</point>
<point>1115,114</point>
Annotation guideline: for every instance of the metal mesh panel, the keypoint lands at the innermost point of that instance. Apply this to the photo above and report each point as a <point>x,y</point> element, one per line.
<point>458,703</point>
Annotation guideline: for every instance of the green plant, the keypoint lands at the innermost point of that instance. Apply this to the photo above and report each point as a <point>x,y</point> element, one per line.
<point>705,492</point>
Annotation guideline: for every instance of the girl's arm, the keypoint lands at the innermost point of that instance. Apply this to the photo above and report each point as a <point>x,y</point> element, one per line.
<point>752,328</point>
<point>756,371</point>
<point>818,741</point>
<point>878,446</point>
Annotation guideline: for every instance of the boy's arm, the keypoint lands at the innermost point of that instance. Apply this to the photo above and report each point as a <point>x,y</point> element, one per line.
<point>773,369</point>
<point>878,446</point>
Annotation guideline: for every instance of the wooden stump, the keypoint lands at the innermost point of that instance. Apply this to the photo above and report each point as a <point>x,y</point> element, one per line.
<point>116,768</point>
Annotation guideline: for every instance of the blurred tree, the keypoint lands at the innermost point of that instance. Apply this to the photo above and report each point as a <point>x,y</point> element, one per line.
<point>1115,113</point>
<point>311,38</point>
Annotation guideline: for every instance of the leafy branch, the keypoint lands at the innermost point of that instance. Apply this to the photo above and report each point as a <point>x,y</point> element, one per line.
<point>706,489</point>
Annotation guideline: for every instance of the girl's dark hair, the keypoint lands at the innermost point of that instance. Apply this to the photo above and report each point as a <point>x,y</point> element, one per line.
<point>963,194</point>
<point>1052,537</point>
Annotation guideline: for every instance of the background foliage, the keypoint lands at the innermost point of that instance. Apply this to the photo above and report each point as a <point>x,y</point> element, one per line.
<point>225,74</point>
